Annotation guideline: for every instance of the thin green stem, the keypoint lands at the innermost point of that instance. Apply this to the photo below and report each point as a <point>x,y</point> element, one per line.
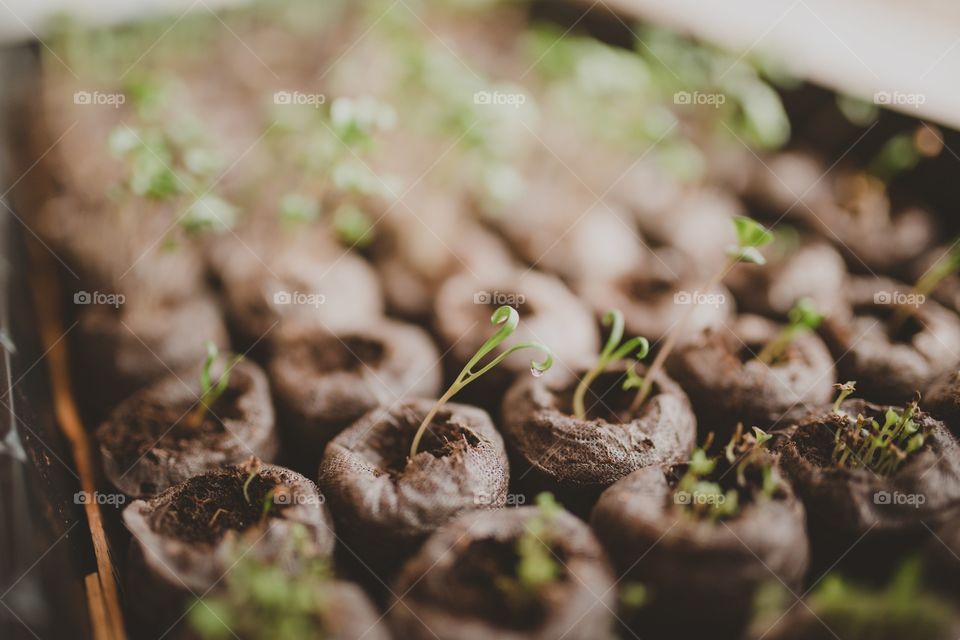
<point>612,351</point>
<point>508,319</point>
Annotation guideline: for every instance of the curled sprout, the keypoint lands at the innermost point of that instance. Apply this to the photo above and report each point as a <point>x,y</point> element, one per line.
<point>845,391</point>
<point>803,317</point>
<point>751,235</point>
<point>612,352</point>
<point>508,319</point>
<point>211,391</point>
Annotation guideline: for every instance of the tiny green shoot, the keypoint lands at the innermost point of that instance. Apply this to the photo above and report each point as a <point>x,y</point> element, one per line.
<point>634,596</point>
<point>901,609</point>
<point>536,564</point>
<point>253,464</point>
<point>507,319</point>
<point>702,496</point>
<point>330,149</point>
<point>803,317</point>
<point>289,597</point>
<point>844,390</point>
<point>866,444</point>
<point>612,351</point>
<point>751,236</point>
<point>945,266</point>
<point>210,390</point>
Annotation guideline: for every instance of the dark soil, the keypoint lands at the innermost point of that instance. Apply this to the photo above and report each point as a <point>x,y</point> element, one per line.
<point>442,438</point>
<point>163,425</point>
<point>212,505</point>
<point>348,353</point>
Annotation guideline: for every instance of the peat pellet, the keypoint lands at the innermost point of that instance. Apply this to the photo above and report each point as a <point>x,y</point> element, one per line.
<point>692,564</point>
<point>727,384</point>
<point>655,300</point>
<point>123,347</point>
<point>386,503</point>
<point>813,271</point>
<point>892,353</point>
<point>183,538</point>
<point>453,589</point>
<point>324,381</point>
<point>150,442</point>
<point>553,450</point>
<point>322,288</point>
<point>858,510</point>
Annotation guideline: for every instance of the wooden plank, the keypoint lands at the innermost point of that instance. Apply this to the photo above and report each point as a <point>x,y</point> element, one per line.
<point>47,298</point>
<point>99,626</point>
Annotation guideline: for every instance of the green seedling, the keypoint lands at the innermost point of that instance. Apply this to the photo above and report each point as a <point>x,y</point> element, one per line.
<point>253,464</point>
<point>169,160</point>
<point>536,566</point>
<point>845,391</point>
<point>751,236</point>
<point>612,351</point>
<point>947,265</point>
<point>699,491</point>
<point>803,317</point>
<point>331,148</point>
<point>210,390</point>
<point>866,444</point>
<point>634,596</point>
<point>507,319</point>
<point>288,597</point>
<point>902,609</point>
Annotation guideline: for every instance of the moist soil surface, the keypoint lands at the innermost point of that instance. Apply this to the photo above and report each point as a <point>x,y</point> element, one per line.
<point>207,507</point>
<point>441,439</point>
<point>160,425</point>
<point>348,353</point>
